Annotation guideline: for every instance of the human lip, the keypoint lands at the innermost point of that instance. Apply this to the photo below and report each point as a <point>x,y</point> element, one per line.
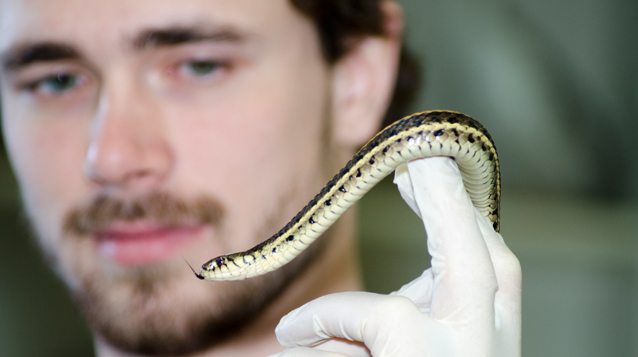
<point>139,243</point>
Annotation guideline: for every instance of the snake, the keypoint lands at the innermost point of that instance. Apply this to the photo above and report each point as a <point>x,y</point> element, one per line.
<point>420,135</point>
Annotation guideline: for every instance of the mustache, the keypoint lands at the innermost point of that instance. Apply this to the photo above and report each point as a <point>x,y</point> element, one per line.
<point>161,207</point>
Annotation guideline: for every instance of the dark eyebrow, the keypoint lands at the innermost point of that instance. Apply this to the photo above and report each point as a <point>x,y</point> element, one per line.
<point>26,54</point>
<point>182,35</point>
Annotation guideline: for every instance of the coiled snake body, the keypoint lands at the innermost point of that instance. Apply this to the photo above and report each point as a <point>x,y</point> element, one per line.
<point>434,133</point>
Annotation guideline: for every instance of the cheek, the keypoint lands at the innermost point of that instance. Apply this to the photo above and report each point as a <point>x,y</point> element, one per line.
<point>256,152</point>
<point>246,147</point>
<point>285,122</point>
<point>266,123</point>
<point>47,159</point>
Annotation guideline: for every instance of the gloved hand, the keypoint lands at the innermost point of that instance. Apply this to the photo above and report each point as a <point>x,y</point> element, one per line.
<point>467,304</point>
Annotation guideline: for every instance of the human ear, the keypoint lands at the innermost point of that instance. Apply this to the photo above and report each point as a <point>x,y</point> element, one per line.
<point>363,81</point>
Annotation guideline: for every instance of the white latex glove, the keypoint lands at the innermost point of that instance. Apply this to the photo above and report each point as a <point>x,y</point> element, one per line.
<point>467,304</point>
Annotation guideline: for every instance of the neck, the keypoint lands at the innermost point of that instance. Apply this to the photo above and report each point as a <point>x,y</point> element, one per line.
<point>336,269</point>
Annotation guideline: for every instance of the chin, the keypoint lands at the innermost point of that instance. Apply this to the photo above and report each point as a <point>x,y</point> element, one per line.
<point>162,308</point>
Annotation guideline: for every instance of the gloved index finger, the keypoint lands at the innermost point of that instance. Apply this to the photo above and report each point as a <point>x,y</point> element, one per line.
<point>464,277</point>
<point>380,322</point>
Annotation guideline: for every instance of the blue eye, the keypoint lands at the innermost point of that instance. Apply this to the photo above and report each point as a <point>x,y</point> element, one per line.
<point>56,84</point>
<point>202,68</point>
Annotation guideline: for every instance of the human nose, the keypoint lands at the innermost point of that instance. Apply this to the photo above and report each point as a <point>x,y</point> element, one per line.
<point>128,149</point>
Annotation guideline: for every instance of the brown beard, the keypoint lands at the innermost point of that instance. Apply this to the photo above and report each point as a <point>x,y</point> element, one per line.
<point>151,310</point>
<point>158,206</point>
<point>164,310</point>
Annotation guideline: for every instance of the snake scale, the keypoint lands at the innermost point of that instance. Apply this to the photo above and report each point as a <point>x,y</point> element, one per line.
<point>433,133</point>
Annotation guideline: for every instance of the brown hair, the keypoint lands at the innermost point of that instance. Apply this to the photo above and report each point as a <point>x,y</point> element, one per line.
<point>341,22</point>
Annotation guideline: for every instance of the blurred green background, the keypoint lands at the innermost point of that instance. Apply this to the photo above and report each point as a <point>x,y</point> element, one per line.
<point>556,83</point>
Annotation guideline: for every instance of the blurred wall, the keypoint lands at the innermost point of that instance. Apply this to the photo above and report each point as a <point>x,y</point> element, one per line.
<point>556,84</point>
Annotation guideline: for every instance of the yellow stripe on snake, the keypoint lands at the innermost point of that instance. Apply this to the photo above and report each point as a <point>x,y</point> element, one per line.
<point>433,133</point>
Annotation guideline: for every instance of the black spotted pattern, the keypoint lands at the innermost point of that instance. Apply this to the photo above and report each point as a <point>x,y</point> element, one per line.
<point>407,123</point>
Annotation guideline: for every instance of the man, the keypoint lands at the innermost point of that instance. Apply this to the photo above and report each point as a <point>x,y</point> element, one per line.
<point>144,131</point>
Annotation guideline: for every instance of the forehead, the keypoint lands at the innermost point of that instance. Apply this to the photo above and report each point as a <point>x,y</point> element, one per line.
<point>108,23</point>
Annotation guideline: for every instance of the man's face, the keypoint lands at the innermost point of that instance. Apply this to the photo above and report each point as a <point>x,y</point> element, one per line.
<point>144,130</point>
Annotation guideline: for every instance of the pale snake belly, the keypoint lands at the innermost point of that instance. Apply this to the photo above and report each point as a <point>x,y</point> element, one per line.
<point>427,134</point>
